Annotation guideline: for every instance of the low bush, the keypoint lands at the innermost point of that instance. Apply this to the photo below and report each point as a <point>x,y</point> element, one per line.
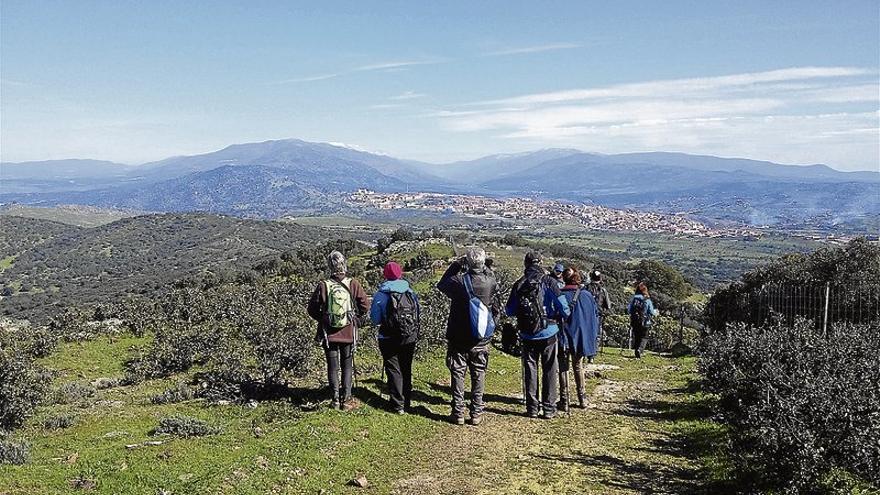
<point>184,426</point>
<point>800,405</point>
<point>180,393</point>
<point>73,393</point>
<point>23,385</point>
<point>12,450</point>
<point>59,422</point>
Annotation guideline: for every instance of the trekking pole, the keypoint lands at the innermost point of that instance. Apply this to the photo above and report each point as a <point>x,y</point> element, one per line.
<point>568,389</point>
<point>522,374</point>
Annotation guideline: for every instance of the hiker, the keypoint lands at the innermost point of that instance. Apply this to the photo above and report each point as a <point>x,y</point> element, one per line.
<point>471,288</point>
<point>641,313</point>
<point>338,303</point>
<point>578,338</point>
<point>558,269</point>
<point>603,305</point>
<point>538,304</point>
<point>396,310</point>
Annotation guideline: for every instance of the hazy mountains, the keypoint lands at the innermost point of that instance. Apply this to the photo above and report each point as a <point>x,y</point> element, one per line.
<point>291,176</point>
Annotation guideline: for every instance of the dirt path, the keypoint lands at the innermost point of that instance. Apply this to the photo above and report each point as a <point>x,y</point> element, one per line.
<point>622,443</point>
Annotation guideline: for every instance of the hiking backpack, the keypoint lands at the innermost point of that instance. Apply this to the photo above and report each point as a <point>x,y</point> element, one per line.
<point>340,308</point>
<point>530,314</point>
<point>402,315</point>
<point>638,313</point>
<point>482,322</point>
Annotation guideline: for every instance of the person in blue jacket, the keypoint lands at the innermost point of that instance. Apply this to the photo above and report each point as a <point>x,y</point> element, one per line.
<point>538,306</point>
<point>578,339</point>
<point>396,310</point>
<point>641,317</point>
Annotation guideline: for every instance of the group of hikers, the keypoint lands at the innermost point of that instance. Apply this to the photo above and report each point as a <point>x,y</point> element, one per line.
<point>558,319</point>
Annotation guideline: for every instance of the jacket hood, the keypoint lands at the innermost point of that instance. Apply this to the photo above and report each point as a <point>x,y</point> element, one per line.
<point>399,285</point>
<point>534,270</point>
<point>571,287</point>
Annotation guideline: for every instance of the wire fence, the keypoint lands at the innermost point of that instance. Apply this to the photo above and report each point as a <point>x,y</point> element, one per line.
<point>823,304</point>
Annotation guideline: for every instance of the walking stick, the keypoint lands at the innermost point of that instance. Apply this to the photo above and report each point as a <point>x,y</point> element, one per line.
<point>568,389</point>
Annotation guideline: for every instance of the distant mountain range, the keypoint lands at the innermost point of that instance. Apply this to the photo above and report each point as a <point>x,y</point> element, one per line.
<point>291,176</point>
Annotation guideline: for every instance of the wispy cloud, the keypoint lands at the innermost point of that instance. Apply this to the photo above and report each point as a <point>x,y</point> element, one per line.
<point>392,65</point>
<point>549,47</point>
<point>784,114</point>
<point>407,95</point>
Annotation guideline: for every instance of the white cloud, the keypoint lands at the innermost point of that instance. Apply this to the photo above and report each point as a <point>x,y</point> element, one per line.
<point>801,114</point>
<point>389,66</point>
<point>533,49</point>
<point>407,95</point>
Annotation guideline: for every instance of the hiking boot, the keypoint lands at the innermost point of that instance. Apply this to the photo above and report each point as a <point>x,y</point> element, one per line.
<point>456,420</point>
<point>399,411</point>
<point>562,406</point>
<point>638,355</point>
<point>350,405</point>
<point>532,414</point>
<point>548,415</point>
<point>476,420</point>
<point>582,401</point>
<point>334,404</point>
<point>589,359</point>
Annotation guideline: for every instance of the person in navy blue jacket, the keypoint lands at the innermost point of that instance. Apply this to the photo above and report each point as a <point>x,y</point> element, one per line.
<point>578,338</point>
<point>397,345</point>
<point>538,306</point>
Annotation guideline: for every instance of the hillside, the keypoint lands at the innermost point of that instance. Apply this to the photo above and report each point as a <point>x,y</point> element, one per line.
<point>290,177</point>
<point>48,263</point>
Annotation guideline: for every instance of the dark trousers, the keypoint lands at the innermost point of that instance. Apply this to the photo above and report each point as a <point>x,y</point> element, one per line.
<point>475,359</point>
<point>640,339</point>
<point>397,359</point>
<point>339,354</point>
<point>545,352</point>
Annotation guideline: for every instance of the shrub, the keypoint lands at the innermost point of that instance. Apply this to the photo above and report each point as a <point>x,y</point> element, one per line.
<point>184,426</point>
<point>799,405</point>
<point>23,386</point>
<point>73,393</point>
<point>59,422</point>
<point>12,450</point>
<point>180,393</point>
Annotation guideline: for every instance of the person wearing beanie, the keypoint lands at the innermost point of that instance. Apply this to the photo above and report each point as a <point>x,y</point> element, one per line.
<point>578,338</point>
<point>397,312</point>
<point>465,278</point>
<point>538,306</point>
<point>337,304</point>
<point>557,273</point>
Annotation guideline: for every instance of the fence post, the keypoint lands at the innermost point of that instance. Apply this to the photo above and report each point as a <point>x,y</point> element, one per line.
<point>825,317</point>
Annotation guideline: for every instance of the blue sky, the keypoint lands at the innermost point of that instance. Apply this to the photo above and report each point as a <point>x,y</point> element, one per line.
<point>794,82</point>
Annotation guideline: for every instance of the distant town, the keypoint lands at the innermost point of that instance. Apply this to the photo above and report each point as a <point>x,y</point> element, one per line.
<point>518,209</point>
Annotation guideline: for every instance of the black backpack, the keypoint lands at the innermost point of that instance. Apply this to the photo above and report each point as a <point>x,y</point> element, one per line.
<point>401,317</point>
<point>638,313</point>
<point>530,315</point>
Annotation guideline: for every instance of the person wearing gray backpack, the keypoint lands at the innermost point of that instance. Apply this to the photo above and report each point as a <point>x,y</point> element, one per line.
<point>471,288</point>
<point>338,304</point>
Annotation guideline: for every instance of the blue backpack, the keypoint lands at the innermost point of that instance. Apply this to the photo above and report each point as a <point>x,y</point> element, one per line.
<point>482,322</point>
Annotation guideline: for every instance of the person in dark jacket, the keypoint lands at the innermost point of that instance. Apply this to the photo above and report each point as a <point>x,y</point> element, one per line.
<point>397,349</point>
<point>578,337</point>
<point>603,304</point>
<point>539,344</point>
<point>464,351</point>
<point>641,320</point>
<point>338,303</point>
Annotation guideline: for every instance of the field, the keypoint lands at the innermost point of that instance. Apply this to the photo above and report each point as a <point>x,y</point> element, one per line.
<point>632,438</point>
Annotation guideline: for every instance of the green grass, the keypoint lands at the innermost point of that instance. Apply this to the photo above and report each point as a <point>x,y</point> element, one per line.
<point>607,449</point>
<point>7,262</point>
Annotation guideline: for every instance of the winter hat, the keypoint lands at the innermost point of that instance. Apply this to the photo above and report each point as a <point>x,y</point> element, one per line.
<point>532,258</point>
<point>559,268</point>
<point>336,263</point>
<point>392,271</point>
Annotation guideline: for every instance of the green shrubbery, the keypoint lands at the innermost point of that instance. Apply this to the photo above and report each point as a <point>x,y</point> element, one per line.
<point>23,383</point>
<point>12,450</point>
<point>799,405</point>
<point>184,426</point>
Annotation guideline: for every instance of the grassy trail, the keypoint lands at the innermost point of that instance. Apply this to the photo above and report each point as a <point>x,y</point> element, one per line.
<point>644,432</point>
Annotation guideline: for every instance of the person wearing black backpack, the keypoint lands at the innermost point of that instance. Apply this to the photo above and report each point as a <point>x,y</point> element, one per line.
<point>538,305</point>
<point>471,289</point>
<point>396,310</point>
<point>641,313</point>
<point>603,305</point>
